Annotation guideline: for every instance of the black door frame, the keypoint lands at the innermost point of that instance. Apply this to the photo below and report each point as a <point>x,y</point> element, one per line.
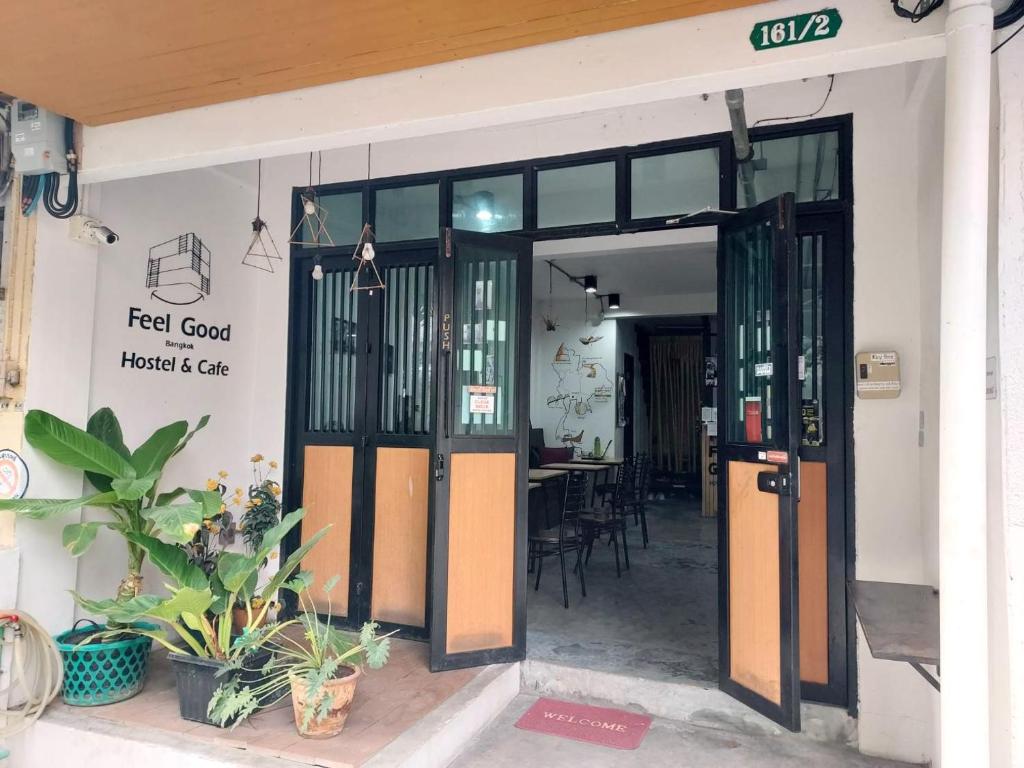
<point>448,444</point>
<point>843,207</point>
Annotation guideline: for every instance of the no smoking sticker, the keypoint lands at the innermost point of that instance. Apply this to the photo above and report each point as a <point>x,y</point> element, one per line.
<point>13,475</point>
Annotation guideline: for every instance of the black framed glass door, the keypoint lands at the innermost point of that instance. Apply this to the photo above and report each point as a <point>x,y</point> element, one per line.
<point>481,463</point>
<point>759,437</point>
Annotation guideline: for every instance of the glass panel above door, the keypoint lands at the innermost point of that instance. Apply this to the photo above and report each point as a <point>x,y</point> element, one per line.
<point>492,204</point>
<point>342,218</point>
<point>579,194</point>
<point>332,354</point>
<point>807,166</point>
<point>486,312</point>
<point>407,213</point>
<point>674,183</point>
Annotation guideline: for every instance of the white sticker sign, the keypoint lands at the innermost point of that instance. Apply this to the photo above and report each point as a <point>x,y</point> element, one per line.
<point>763,369</point>
<point>13,475</point>
<point>481,398</point>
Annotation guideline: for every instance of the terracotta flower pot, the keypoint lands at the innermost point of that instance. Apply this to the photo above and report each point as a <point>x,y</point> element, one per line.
<point>342,691</point>
<point>239,619</point>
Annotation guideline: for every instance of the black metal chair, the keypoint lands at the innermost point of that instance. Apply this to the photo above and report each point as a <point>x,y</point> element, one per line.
<point>606,489</point>
<point>636,501</point>
<point>566,537</point>
<point>610,519</point>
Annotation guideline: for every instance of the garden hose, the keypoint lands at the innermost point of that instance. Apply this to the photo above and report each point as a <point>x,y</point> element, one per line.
<point>35,668</point>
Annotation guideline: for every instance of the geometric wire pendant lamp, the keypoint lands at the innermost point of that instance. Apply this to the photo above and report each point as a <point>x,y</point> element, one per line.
<point>367,277</point>
<point>262,251</point>
<point>314,218</point>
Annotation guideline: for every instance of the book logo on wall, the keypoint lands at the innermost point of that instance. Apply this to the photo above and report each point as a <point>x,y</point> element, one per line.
<point>178,271</point>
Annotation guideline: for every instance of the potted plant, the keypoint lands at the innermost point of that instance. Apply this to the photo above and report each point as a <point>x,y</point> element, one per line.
<point>322,670</point>
<point>199,612</point>
<point>106,664</point>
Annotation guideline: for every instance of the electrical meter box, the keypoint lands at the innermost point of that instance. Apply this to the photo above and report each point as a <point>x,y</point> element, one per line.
<point>37,140</point>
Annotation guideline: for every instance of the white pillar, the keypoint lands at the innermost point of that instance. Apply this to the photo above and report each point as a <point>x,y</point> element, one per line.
<point>963,576</point>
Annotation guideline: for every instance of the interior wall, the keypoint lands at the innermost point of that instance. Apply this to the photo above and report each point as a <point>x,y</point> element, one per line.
<point>895,713</point>
<point>572,381</point>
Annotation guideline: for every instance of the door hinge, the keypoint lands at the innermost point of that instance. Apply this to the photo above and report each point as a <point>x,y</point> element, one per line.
<point>778,483</point>
<point>359,587</point>
<point>439,467</point>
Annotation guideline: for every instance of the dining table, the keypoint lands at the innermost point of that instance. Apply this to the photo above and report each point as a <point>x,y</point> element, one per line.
<point>580,466</point>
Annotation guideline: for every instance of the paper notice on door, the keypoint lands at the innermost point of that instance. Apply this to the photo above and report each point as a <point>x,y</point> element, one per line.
<point>481,398</point>
<point>763,369</point>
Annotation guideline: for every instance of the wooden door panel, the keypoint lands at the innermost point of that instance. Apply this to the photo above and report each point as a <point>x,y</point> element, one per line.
<point>481,551</point>
<point>812,538</point>
<point>400,527</point>
<point>327,498</point>
<point>754,613</point>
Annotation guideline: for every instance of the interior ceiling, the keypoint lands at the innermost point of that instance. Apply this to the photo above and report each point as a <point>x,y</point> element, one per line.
<point>103,61</point>
<point>634,273</point>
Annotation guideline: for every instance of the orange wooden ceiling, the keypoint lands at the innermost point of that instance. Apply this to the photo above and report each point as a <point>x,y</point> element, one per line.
<point>102,61</point>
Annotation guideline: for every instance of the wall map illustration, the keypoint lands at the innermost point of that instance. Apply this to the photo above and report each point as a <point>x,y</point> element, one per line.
<point>583,383</point>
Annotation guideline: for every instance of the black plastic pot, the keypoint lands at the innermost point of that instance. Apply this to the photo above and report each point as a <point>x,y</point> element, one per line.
<point>197,680</point>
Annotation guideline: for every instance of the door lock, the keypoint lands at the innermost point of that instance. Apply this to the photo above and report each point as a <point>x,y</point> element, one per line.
<point>773,482</point>
<point>439,467</point>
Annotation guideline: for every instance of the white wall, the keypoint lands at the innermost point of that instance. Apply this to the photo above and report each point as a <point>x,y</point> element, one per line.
<point>895,705</point>
<point>584,377</point>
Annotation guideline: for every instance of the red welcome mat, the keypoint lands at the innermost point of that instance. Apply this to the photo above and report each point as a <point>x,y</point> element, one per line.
<point>597,725</point>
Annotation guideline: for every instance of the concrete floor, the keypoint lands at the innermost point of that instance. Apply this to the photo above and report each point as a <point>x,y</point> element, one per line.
<point>669,744</point>
<point>659,621</point>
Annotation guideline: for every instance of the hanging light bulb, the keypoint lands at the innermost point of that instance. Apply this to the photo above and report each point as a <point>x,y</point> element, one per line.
<point>318,272</point>
<point>368,251</point>
<point>308,206</point>
<point>590,283</point>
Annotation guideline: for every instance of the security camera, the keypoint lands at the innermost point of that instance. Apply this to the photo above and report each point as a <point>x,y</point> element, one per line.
<point>91,232</point>
<point>102,234</point>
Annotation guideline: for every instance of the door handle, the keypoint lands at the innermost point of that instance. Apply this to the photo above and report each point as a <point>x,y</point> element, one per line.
<point>439,467</point>
<point>773,482</point>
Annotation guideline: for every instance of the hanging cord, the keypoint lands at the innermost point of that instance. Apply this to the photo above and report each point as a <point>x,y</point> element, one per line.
<point>921,11</point>
<point>1015,33</point>
<point>259,186</point>
<point>37,671</point>
<point>51,197</point>
<point>828,94</point>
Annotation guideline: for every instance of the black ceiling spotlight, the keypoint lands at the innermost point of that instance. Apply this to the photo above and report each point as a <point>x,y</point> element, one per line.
<point>613,301</point>
<point>590,283</point>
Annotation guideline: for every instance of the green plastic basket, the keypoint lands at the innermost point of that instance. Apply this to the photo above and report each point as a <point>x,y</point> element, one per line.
<point>103,673</point>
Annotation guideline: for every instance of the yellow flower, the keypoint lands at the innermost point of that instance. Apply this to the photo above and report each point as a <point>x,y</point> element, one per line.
<point>212,485</point>
<point>238,491</point>
<point>273,555</point>
<point>223,508</point>
<point>273,465</point>
<point>256,458</point>
<point>222,474</point>
<point>191,529</point>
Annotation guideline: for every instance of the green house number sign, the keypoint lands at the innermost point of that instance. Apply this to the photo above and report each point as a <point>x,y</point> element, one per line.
<point>793,30</point>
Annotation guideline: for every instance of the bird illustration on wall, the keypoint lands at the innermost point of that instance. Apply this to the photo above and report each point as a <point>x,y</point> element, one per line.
<point>550,323</point>
<point>567,438</point>
<point>588,340</point>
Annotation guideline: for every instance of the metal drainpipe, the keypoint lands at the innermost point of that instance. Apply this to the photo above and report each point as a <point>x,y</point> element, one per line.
<point>741,140</point>
<point>963,569</point>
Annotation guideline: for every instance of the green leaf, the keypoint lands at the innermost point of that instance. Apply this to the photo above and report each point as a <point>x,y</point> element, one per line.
<point>199,425</point>
<point>41,509</point>
<point>234,570</point>
<point>273,537</point>
<point>293,562</point>
<point>124,612</point>
<point>104,425</point>
<point>177,522</point>
<point>73,447</point>
<point>171,561</point>
<point>152,455</point>
<point>210,501</point>
<point>331,583</point>
<point>221,596</point>
<point>187,603</point>
<point>303,580</point>
<point>134,488</point>
<point>77,537</point>
<point>170,497</point>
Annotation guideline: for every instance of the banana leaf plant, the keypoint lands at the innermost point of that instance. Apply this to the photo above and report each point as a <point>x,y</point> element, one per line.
<point>126,486</point>
<point>199,608</point>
